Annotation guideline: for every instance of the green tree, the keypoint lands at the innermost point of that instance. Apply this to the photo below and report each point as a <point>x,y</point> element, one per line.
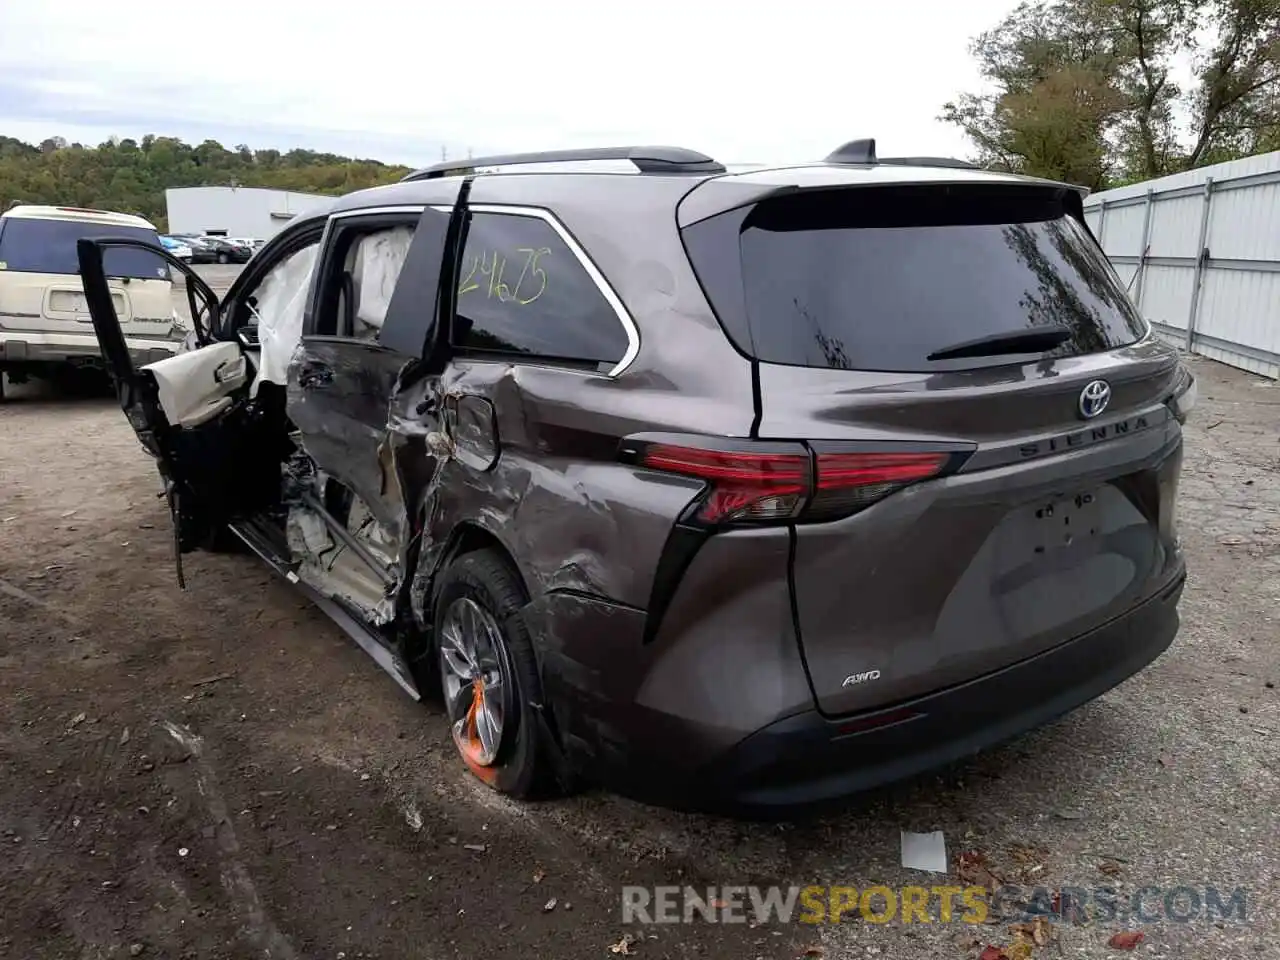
<point>1237,100</point>
<point>1083,90</point>
<point>130,176</point>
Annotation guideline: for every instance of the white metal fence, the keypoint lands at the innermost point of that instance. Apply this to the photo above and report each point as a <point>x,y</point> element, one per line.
<point>1200,252</point>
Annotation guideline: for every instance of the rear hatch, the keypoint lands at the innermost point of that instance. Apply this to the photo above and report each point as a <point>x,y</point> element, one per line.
<point>40,288</point>
<point>995,459</point>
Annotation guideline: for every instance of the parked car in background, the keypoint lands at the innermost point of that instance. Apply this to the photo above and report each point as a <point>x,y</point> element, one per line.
<point>201,252</point>
<point>741,491</point>
<point>45,328</point>
<point>178,247</point>
<point>227,251</point>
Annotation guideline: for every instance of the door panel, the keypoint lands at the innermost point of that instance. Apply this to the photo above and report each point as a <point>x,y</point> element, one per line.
<point>339,392</point>
<point>137,392</point>
<point>348,520</point>
<point>196,386</point>
<point>218,463</point>
<point>340,395</point>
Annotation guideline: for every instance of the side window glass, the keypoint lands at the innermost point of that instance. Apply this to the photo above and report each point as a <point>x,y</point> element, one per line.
<point>524,291</point>
<point>374,262</point>
<point>276,306</point>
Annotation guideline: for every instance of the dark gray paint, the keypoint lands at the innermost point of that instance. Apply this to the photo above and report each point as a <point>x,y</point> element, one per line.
<point>931,587</point>
<point>339,393</point>
<point>559,514</point>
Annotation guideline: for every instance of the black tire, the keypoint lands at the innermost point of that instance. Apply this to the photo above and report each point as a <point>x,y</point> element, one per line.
<point>521,767</point>
<point>223,258</point>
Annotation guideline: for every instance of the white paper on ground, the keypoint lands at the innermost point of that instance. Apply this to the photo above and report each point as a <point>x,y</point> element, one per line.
<point>924,851</point>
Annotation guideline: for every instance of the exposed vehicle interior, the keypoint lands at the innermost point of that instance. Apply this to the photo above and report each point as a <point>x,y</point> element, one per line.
<point>226,399</point>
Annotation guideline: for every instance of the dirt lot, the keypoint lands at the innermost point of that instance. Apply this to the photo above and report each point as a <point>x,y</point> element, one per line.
<point>221,773</point>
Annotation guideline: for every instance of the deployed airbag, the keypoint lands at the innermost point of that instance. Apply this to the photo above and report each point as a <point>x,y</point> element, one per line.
<point>281,298</point>
<point>379,260</point>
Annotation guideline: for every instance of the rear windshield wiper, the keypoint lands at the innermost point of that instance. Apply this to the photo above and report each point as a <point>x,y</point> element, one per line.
<point>1034,340</point>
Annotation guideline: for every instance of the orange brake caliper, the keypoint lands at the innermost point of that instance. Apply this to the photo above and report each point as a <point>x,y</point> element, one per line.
<point>469,744</point>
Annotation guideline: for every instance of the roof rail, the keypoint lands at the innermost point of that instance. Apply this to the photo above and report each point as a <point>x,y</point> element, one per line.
<point>864,152</point>
<point>646,160</point>
<point>931,162</point>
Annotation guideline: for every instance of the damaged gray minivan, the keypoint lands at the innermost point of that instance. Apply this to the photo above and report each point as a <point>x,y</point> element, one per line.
<point>737,491</point>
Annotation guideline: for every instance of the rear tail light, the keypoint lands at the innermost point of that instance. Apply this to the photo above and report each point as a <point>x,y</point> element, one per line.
<point>745,486</point>
<point>742,486</point>
<point>847,482</point>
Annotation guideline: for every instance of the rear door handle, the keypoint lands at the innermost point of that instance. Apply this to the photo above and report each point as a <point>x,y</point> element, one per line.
<point>315,375</point>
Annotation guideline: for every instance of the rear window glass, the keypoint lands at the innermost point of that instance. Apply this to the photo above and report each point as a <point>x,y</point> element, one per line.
<point>49,246</point>
<point>881,278</point>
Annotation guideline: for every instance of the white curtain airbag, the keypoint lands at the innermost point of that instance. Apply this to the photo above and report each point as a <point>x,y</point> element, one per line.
<point>281,298</point>
<point>379,260</point>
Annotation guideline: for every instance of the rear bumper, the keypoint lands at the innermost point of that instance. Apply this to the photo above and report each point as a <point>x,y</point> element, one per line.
<point>18,349</point>
<point>808,759</point>
<point>799,760</point>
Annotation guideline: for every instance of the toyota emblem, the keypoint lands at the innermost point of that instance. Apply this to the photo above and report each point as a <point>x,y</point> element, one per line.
<point>1094,398</point>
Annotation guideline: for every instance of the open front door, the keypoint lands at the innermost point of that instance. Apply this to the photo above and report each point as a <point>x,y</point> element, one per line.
<point>137,392</point>
<point>190,411</point>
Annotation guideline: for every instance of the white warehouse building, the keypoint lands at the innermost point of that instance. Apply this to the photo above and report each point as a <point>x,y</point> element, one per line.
<point>234,211</point>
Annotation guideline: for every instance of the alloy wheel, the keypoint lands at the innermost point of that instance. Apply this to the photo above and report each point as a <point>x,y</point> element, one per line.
<point>476,691</point>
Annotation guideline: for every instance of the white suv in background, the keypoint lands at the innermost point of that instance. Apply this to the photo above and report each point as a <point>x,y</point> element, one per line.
<point>45,330</point>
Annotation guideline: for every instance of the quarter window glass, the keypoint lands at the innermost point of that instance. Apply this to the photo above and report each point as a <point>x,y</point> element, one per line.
<point>523,291</point>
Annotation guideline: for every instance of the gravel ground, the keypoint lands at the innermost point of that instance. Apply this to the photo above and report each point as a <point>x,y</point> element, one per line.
<point>220,773</point>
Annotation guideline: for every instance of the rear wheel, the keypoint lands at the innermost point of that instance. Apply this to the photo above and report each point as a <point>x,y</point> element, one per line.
<point>489,675</point>
<point>223,258</point>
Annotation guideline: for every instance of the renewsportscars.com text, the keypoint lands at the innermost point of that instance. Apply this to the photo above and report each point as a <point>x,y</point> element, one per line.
<point>937,904</point>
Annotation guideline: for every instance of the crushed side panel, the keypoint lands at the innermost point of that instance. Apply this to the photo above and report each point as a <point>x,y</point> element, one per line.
<point>348,525</point>
<point>554,494</point>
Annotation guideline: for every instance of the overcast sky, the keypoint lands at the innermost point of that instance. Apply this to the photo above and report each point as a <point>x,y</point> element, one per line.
<point>745,82</point>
